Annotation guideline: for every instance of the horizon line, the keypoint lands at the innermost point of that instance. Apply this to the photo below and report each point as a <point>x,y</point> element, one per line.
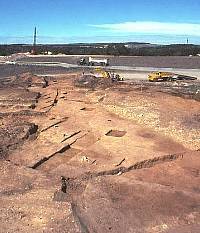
<point>86,43</point>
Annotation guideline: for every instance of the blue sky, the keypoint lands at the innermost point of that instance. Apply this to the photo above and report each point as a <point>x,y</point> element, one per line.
<point>66,21</point>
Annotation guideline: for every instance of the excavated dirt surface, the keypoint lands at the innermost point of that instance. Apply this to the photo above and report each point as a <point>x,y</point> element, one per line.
<point>80,154</point>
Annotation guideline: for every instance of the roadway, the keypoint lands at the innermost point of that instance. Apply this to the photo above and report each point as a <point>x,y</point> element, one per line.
<point>129,67</point>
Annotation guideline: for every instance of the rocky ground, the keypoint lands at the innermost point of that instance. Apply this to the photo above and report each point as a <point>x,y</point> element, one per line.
<point>80,154</point>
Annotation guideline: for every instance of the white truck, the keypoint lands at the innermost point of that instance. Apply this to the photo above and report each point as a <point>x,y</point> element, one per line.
<point>90,61</point>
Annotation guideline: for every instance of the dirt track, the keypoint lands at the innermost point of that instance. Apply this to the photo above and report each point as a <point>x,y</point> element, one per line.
<point>133,164</point>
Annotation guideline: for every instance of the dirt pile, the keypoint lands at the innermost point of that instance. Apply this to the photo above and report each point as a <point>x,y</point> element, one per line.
<point>16,95</point>
<point>30,80</point>
<point>13,135</point>
<point>16,98</point>
<point>24,81</point>
<point>92,82</point>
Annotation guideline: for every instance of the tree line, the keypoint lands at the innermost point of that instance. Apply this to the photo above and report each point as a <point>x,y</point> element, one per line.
<point>116,49</point>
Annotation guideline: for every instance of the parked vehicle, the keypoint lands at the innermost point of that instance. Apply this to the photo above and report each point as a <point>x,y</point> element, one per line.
<point>90,61</point>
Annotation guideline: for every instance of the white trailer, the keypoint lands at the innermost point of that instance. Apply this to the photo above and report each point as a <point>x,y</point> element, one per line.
<point>97,61</point>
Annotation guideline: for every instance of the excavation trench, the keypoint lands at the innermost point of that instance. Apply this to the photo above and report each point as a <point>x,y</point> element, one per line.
<point>55,101</point>
<point>56,123</point>
<point>75,186</point>
<point>87,109</point>
<point>139,165</point>
<point>115,133</point>
<point>45,159</point>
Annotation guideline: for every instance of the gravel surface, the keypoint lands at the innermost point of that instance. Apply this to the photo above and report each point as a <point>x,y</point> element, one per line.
<point>135,67</point>
<point>10,70</point>
<point>148,61</point>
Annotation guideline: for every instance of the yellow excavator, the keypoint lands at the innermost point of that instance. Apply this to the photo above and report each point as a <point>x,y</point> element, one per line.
<point>101,73</point>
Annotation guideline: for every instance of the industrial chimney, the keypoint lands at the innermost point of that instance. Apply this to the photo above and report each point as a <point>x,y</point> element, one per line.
<point>33,51</point>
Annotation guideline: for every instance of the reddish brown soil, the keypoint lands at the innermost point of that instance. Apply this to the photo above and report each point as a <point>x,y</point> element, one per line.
<point>126,168</point>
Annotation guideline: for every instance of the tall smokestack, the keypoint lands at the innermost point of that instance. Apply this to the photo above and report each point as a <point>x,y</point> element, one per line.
<point>34,42</point>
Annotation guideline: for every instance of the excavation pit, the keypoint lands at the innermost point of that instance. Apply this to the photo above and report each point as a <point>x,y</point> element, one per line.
<point>116,133</point>
<point>87,109</point>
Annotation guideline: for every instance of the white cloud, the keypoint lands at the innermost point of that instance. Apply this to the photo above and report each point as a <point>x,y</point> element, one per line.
<point>149,27</point>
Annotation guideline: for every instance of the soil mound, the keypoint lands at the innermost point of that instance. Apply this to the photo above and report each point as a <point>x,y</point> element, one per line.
<point>91,81</point>
<point>24,80</point>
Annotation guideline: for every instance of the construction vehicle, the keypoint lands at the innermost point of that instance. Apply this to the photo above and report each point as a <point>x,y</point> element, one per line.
<point>116,77</point>
<point>93,61</point>
<point>82,62</point>
<point>101,73</point>
<point>97,61</point>
<point>162,76</point>
<point>167,76</point>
